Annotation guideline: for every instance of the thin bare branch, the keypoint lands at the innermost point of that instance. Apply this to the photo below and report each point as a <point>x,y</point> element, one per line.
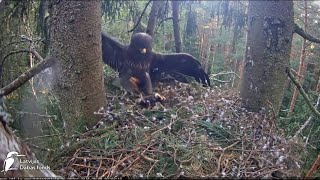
<point>314,167</point>
<point>23,78</point>
<point>305,35</point>
<point>303,93</point>
<point>144,10</point>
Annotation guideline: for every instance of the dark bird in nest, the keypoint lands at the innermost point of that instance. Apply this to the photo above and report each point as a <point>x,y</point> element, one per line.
<point>139,67</point>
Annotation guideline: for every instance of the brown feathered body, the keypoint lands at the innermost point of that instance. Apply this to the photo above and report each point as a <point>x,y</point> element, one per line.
<point>137,60</point>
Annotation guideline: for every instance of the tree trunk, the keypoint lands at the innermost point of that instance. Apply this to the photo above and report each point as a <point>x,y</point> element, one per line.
<point>241,63</point>
<point>234,69</point>
<point>153,17</point>
<point>236,62</point>
<point>206,52</point>
<point>201,40</point>
<point>301,65</point>
<point>204,45</point>
<point>268,49</point>
<point>140,27</point>
<point>227,59</point>
<point>190,34</point>
<point>214,46</point>
<point>318,86</point>
<point>75,36</point>
<point>191,24</point>
<point>176,26</point>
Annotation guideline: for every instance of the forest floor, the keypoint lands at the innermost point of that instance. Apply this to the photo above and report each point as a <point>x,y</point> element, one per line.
<point>197,132</point>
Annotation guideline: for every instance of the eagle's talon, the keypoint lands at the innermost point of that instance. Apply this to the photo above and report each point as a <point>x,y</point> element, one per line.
<point>151,100</point>
<point>159,98</point>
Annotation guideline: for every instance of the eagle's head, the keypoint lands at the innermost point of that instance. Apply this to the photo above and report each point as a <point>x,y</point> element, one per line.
<point>140,52</point>
<point>141,44</point>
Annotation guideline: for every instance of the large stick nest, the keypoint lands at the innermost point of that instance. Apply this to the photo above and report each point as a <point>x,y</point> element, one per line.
<point>198,132</point>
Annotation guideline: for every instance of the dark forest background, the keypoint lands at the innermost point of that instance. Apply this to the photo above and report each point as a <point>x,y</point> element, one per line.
<point>214,32</point>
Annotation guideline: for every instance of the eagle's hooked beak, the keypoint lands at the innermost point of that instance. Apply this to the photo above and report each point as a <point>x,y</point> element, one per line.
<point>143,51</point>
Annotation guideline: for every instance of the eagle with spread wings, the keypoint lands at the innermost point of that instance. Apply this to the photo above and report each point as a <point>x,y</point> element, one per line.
<point>139,67</point>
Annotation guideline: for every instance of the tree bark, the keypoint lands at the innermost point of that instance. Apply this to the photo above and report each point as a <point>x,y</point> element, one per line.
<point>75,36</point>
<point>268,50</point>
<point>204,47</point>
<point>153,17</point>
<point>191,26</point>
<point>241,63</point>
<point>301,65</point>
<point>227,59</point>
<point>176,26</point>
<point>318,85</point>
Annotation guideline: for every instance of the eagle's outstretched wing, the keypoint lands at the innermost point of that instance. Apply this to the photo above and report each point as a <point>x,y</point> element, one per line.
<point>181,63</point>
<point>115,55</point>
<point>113,52</point>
